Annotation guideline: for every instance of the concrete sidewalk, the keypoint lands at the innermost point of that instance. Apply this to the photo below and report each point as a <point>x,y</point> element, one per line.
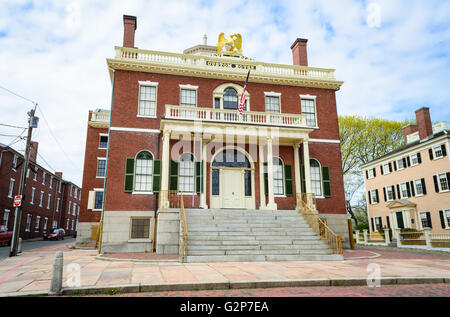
<point>30,273</point>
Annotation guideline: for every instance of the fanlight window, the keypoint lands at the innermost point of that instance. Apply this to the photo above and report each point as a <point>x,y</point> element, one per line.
<point>144,171</point>
<point>230,99</point>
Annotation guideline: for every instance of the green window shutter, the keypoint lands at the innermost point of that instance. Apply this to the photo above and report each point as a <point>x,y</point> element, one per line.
<point>129,175</point>
<point>156,176</point>
<point>266,180</point>
<point>288,179</point>
<point>326,181</point>
<point>173,175</point>
<point>198,177</point>
<point>302,174</point>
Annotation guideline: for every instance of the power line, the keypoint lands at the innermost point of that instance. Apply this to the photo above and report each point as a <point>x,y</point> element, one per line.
<point>16,94</point>
<point>46,162</point>
<point>12,126</point>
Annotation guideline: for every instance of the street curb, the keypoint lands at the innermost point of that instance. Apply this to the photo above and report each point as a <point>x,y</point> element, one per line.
<point>198,286</point>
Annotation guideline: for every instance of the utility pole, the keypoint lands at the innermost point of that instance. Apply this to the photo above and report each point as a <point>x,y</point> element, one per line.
<point>32,123</point>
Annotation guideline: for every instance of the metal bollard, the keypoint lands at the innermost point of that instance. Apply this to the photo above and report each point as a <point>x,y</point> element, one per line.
<point>57,275</point>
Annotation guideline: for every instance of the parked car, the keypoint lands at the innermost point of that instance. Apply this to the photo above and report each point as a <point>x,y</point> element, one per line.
<point>55,234</point>
<point>5,235</point>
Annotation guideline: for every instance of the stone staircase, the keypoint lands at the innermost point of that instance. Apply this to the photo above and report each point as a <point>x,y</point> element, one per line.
<point>224,235</point>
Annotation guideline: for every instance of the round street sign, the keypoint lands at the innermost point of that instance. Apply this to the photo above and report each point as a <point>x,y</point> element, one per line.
<point>17,200</point>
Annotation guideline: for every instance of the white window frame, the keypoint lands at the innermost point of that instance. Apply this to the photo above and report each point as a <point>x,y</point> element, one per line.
<point>6,214</point>
<point>11,187</point>
<point>67,224</point>
<point>401,190</point>
<point>74,209</point>
<point>437,149</point>
<point>373,197</point>
<point>188,177</point>
<point>35,174</point>
<point>96,174</point>
<point>14,165</point>
<point>192,88</point>
<point>71,228</point>
<point>101,190</point>
<point>59,186</point>
<point>57,204</point>
<point>415,187</point>
<point>370,173</point>
<point>148,84</point>
<point>37,224</point>
<point>41,198</point>
<point>447,224</point>
<point>272,94</point>
<point>70,206</point>
<point>54,224</point>
<point>416,156</point>
<point>49,198</point>
<point>386,169</point>
<point>28,225</point>
<point>51,181</point>
<point>314,99</point>
<point>398,165</point>
<point>283,194</point>
<point>420,218</point>
<point>44,227</point>
<point>392,190</point>
<point>71,188</point>
<point>100,139</point>
<point>439,183</point>
<point>43,178</point>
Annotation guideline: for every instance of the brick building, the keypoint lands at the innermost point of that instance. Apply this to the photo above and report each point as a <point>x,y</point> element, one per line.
<point>410,186</point>
<point>49,201</point>
<point>174,126</point>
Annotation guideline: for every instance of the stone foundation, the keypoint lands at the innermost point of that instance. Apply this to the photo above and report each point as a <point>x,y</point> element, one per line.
<point>339,224</point>
<point>84,231</point>
<point>168,231</point>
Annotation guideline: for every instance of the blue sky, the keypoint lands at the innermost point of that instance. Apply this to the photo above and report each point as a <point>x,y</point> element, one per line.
<point>393,56</point>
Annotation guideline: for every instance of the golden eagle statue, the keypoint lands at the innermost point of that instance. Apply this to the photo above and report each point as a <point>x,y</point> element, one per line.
<point>231,45</point>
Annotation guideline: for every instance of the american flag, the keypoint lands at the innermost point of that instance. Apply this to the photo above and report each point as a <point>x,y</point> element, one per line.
<point>244,93</point>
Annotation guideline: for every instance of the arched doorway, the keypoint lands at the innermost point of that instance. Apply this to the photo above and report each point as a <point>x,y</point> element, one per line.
<point>232,176</point>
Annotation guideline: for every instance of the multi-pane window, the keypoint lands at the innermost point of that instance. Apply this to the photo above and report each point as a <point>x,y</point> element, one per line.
<point>278,183</point>
<point>377,223</point>
<point>447,217</point>
<point>374,196</point>
<point>438,152</point>
<point>144,172</point>
<point>14,165</point>
<point>415,159</point>
<point>390,193</point>
<point>147,101</point>
<point>140,228</point>
<point>309,111</point>
<point>386,168</point>
<point>230,99</point>
<point>98,202</point>
<point>11,187</point>
<point>443,182</point>
<point>215,182</point>
<point>74,209</point>
<point>188,97</point>
<point>41,199</point>
<point>43,178</point>
<point>418,184</point>
<point>273,104</point>
<point>186,173</point>
<point>400,164</point>
<point>103,142</point>
<point>101,168</point>
<point>28,225</point>
<point>404,190</point>
<point>370,173</point>
<point>48,201</point>
<point>316,179</point>
<point>6,217</point>
<point>38,220</point>
<point>425,220</point>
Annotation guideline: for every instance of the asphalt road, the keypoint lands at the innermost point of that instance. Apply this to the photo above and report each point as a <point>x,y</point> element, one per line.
<point>30,245</point>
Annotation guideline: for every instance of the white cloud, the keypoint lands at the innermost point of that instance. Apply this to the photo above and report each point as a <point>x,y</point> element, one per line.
<point>54,52</point>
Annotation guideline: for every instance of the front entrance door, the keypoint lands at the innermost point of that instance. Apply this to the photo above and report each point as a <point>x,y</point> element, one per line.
<point>400,223</point>
<point>232,185</point>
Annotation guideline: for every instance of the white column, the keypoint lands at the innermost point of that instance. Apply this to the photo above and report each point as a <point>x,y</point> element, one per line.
<point>298,181</point>
<point>357,236</point>
<point>428,237</point>
<point>271,203</point>
<point>261,177</point>
<point>366,236</point>
<point>307,167</point>
<point>204,158</point>
<point>386,236</point>
<point>165,162</point>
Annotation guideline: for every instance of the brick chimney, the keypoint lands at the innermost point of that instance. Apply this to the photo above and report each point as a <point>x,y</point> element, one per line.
<point>59,174</point>
<point>33,151</point>
<point>129,28</point>
<point>424,125</point>
<point>299,52</point>
<point>409,129</point>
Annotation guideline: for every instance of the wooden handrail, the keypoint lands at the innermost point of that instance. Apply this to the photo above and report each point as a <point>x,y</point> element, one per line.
<point>333,240</point>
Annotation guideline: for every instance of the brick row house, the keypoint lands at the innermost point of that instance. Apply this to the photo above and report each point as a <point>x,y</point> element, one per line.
<point>410,186</point>
<point>174,126</point>
<point>49,201</point>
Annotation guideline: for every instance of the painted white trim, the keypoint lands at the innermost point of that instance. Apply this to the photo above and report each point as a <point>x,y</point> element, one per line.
<point>148,83</point>
<point>324,140</point>
<point>134,130</point>
<point>98,189</point>
<point>142,116</point>
<point>188,86</point>
<point>142,193</point>
<point>308,97</point>
<point>272,93</point>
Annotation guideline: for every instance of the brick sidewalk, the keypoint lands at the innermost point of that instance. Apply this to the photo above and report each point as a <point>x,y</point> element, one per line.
<point>31,271</point>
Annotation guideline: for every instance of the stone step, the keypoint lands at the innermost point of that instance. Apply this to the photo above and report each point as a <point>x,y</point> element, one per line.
<point>259,252</point>
<point>257,247</point>
<point>262,258</point>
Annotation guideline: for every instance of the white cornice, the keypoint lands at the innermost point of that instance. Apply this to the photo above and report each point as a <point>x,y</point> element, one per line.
<point>125,129</point>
